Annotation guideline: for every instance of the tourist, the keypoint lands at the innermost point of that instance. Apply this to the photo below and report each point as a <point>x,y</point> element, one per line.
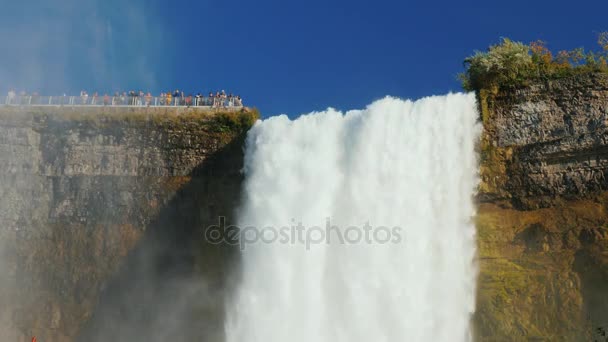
<point>35,98</point>
<point>23,97</point>
<point>131,98</point>
<point>11,97</point>
<point>217,99</point>
<point>148,99</point>
<point>176,96</point>
<point>106,99</point>
<point>168,101</point>
<point>189,100</point>
<point>84,96</point>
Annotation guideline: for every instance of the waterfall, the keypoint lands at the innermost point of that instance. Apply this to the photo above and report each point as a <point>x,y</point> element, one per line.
<point>359,226</point>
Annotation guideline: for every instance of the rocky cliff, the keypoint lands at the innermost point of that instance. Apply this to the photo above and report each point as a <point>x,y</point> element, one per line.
<point>543,219</point>
<point>102,217</point>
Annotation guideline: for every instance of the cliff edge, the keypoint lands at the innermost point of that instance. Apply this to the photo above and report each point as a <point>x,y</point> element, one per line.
<point>102,217</point>
<point>543,220</point>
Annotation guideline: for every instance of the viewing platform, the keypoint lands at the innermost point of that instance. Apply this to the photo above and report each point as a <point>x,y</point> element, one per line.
<point>202,102</point>
<point>223,115</point>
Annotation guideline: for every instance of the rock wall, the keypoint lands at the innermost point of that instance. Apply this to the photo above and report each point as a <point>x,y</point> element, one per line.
<point>102,218</point>
<point>103,212</point>
<point>543,220</point>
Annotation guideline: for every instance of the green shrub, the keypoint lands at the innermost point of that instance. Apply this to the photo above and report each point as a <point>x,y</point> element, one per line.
<point>506,62</point>
<point>238,122</point>
<point>514,64</point>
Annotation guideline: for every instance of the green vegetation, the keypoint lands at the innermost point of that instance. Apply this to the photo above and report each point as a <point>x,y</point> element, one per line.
<point>216,121</point>
<point>235,121</point>
<point>527,293</point>
<point>514,64</point>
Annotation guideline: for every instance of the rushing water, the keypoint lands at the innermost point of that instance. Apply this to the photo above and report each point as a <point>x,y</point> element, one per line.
<point>395,262</point>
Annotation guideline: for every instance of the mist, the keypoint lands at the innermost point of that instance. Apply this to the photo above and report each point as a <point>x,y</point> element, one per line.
<point>63,47</point>
<point>56,47</point>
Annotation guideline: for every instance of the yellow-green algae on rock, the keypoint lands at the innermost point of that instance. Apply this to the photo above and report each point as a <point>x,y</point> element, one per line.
<point>101,208</point>
<point>543,220</point>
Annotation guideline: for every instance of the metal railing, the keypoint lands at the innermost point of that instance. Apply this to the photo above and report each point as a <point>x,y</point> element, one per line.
<point>124,101</point>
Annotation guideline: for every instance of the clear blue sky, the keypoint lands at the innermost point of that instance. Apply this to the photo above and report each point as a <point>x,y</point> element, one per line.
<point>282,56</point>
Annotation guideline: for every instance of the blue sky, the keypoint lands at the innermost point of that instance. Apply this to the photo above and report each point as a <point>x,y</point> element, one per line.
<point>285,56</point>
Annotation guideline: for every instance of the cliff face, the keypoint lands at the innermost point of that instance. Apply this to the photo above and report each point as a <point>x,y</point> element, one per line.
<point>102,217</point>
<point>543,220</point>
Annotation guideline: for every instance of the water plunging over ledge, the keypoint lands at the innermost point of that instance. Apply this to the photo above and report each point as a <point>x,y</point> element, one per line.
<point>409,167</point>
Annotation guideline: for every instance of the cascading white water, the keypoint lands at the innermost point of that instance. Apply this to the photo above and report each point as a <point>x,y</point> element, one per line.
<point>386,243</point>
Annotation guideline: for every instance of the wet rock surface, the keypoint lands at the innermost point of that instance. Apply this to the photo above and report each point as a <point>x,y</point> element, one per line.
<point>102,223</point>
<point>543,214</point>
<point>558,134</point>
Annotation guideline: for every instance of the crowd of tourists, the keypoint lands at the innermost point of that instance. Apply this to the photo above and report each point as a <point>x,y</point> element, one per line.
<point>218,99</point>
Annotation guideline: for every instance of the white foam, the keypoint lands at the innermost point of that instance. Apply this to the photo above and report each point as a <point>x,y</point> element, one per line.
<point>397,163</point>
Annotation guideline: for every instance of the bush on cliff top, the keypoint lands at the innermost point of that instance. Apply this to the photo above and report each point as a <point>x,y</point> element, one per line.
<point>216,121</point>
<point>239,122</point>
<point>514,64</point>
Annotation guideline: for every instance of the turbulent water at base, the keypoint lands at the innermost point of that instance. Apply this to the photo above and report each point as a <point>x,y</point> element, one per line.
<point>403,173</point>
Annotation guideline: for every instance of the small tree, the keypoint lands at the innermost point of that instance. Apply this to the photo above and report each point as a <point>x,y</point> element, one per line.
<point>501,64</point>
<point>514,64</point>
<point>602,39</point>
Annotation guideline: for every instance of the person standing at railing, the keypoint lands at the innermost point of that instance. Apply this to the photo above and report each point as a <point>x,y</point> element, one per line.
<point>12,95</point>
<point>176,98</point>
<point>197,99</point>
<point>106,99</point>
<point>148,99</point>
<point>84,96</point>
<point>168,99</point>
<point>189,100</point>
<point>94,99</point>
<point>131,98</point>
<point>216,99</point>
<point>35,98</point>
